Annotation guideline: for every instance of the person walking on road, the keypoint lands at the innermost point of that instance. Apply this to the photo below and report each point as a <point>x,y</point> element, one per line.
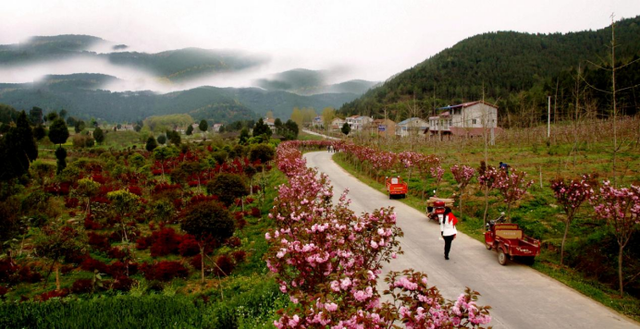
<point>448,224</point>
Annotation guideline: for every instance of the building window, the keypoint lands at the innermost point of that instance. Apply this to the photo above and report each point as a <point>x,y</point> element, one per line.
<point>473,121</point>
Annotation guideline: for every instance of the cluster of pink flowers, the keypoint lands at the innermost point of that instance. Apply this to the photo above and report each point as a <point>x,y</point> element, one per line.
<point>463,175</point>
<point>571,194</point>
<point>326,258</point>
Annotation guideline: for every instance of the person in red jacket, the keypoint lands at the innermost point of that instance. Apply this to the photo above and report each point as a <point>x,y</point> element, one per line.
<point>448,224</point>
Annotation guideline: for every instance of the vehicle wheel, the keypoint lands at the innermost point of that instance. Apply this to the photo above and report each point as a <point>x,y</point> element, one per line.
<point>502,257</point>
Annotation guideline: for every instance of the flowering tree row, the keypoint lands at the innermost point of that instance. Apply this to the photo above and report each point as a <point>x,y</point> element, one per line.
<point>328,260</point>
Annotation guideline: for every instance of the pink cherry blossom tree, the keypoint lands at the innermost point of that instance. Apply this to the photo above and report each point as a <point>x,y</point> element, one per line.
<point>620,208</point>
<point>570,194</point>
<point>463,175</point>
<point>512,186</point>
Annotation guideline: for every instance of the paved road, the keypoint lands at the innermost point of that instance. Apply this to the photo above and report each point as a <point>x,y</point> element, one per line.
<point>520,297</point>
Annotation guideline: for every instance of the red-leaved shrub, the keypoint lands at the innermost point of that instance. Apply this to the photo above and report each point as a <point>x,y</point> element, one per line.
<point>234,242</point>
<point>71,202</point>
<point>82,286</point>
<point>196,262</point>
<point>90,264</point>
<point>165,242</point>
<point>239,256</point>
<point>164,271</point>
<point>224,266</point>
<point>3,291</point>
<point>98,241</point>
<point>122,283</point>
<point>189,246</point>
<point>117,253</point>
<point>255,212</point>
<point>51,294</point>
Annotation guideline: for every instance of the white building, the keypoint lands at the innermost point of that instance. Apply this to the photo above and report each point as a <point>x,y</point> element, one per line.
<point>358,122</point>
<point>411,126</point>
<point>468,119</point>
<point>337,123</point>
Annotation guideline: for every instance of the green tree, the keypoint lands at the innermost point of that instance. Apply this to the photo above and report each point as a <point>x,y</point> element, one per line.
<point>98,135</point>
<point>174,137</point>
<point>51,116</point>
<point>58,132</point>
<point>291,129</point>
<point>162,139</point>
<point>244,136</point>
<point>163,154</point>
<point>261,128</point>
<point>228,187</point>
<point>328,114</point>
<point>203,126</point>
<point>63,113</point>
<point>189,130</point>
<point>61,156</point>
<point>151,144</point>
<point>209,222</point>
<point>262,152</point>
<point>78,126</point>
<point>57,241</point>
<point>124,202</point>
<point>297,116</point>
<point>279,126</point>
<point>39,132</point>
<point>17,149</point>
<point>346,129</point>
<point>36,116</point>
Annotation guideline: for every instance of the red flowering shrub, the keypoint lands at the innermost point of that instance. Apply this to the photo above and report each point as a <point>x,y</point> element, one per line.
<point>239,215</point>
<point>241,223</point>
<point>189,246</point>
<point>248,200</point>
<point>135,190</point>
<point>234,242</point>
<point>26,275</point>
<point>52,294</point>
<point>239,256</point>
<point>98,178</point>
<point>98,241</point>
<point>164,271</point>
<point>71,202</point>
<point>196,262</point>
<point>7,269</point>
<point>90,264</point>
<point>255,212</point>
<point>58,188</point>
<point>118,269</point>
<point>202,198</point>
<point>224,266</point>
<point>3,291</point>
<point>143,243</point>
<point>165,242</point>
<point>82,286</point>
<point>117,253</point>
<point>122,283</point>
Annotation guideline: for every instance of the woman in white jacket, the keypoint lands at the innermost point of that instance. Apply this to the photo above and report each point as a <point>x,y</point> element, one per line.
<point>447,225</point>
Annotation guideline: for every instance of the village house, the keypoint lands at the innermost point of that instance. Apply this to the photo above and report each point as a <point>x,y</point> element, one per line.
<point>411,126</point>
<point>271,123</point>
<point>317,122</point>
<point>467,119</point>
<point>358,122</point>
<point>337,123</point>
<point>382,127</point>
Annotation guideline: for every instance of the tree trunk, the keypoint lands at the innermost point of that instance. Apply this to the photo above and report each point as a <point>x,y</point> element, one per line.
<point>202,262</point>
<point>57,277</point>
<point>564,238</point>
<point>486,205</point>
<point>620,270</point>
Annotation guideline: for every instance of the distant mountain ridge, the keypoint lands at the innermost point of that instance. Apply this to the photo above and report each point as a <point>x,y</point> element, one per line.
<point>80,95</point>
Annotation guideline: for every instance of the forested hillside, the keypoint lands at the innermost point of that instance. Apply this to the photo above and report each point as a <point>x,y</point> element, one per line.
<point>517,71</point>
<point>78,94</point>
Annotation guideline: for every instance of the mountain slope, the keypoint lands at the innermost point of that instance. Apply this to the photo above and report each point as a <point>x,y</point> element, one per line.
<point>503,64</point>
<point>80,95</point>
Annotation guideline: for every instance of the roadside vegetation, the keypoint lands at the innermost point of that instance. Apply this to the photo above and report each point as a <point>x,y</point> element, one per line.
<point>591,248</point>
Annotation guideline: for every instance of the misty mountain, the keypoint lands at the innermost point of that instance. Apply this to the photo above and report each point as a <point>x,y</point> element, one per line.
<point>310,82</point>
<point>515,70</point>
<point>80,95</point>
<point>174,65</point>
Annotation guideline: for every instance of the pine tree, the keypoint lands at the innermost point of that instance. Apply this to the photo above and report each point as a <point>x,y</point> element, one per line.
<point>58,132</point>
<point>151,144</point>
<point>98,135</point>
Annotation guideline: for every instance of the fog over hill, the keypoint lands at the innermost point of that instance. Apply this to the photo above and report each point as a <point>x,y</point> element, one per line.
<point>76,71</point>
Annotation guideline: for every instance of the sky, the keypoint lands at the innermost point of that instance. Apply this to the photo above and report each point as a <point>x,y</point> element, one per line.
<point>357,39</point>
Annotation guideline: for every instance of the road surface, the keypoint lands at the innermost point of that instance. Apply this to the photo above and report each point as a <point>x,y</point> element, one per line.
<point>520,297</point>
